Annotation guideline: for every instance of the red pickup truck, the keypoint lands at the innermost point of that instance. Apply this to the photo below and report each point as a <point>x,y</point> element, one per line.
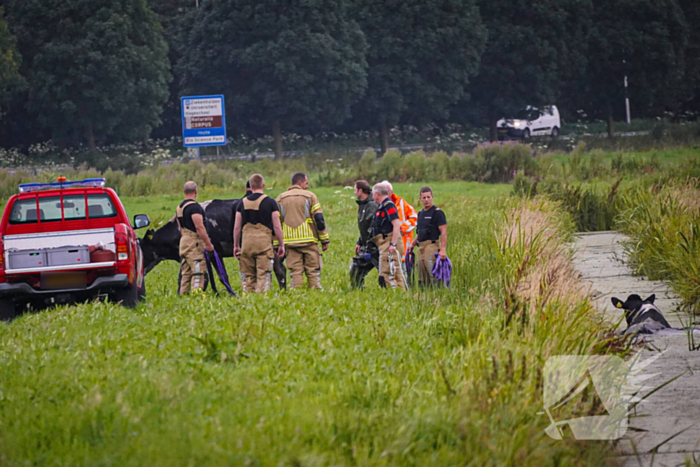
<point>65,242</point>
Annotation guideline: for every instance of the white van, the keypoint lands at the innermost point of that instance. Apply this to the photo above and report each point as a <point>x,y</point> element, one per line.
<point>531,122</point>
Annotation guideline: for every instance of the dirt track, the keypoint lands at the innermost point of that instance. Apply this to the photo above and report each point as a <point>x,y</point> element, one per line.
<point>675,407</point>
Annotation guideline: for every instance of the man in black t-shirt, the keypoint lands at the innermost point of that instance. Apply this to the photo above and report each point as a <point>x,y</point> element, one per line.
<point>257,219</point>
<point>193,241</point>
<point>431,238</point>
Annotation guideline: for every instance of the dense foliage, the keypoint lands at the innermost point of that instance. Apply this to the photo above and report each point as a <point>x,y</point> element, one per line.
<point>421,56</point>
<point>645,40</point>
<point>96,69</point>
<point>174,16</point>
<point>531,49</point>
<point>309,67</point>
<point>9,63</point>
<point>291,66</point>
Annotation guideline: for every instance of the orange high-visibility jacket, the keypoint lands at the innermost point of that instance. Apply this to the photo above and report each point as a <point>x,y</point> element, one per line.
<point>408,217</point>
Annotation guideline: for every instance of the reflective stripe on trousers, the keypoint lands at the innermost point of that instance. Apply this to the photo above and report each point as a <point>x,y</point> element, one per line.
<point>191,261</point>
<point>390,267</point>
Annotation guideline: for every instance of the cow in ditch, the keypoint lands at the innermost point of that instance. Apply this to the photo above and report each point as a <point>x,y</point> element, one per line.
<point>164,244</point>
<point>642,316</point>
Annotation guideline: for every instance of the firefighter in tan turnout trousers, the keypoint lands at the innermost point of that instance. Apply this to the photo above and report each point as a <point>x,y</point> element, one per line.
<point>193,241</point>
<point>431,239</point>
<point>304,227</point>
<point>256,219</point>
<point>387,237</point>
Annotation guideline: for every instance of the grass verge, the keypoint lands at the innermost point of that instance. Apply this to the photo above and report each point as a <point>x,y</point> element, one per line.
<point>338,377</point>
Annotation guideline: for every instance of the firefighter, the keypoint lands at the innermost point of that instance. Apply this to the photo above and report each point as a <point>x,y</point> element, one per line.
<point>387,235</point>
<point>304,228</point>
<point>257,219</point>
<point>366,253</point>
<point>193,241</point>
<point>407,216</point>
<point>431,238</point>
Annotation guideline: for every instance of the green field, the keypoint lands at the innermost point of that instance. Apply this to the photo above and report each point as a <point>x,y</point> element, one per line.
<point>334,200</point>
<point>333,377</point>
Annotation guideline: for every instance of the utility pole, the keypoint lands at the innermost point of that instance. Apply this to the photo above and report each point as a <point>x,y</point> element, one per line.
<point>627,99</point>
<point>627,102</point>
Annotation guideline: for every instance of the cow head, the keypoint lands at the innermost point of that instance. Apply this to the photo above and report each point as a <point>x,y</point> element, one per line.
<point>632,305</point>
<point>160,245</point>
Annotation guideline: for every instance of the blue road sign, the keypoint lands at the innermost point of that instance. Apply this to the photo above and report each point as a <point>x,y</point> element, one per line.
<point>203,121</point>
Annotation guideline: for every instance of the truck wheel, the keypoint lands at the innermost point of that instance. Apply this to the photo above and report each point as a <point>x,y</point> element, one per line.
<point>555,132</point>
<point>526,133</point>
<point>128,296</point>
<point>7,309</point>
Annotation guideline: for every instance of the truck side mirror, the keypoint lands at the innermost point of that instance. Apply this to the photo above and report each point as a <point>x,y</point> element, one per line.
<point>141,221</point>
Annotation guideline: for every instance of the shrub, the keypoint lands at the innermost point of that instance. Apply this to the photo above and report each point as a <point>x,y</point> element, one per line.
<point>684,135</point>
<point>503,161</point>
<point>364,165</point>
<point>415,167</point>
<point>388,167</point>
<point>469,167</point>
<point>548,166</point>
<point>438,167</point>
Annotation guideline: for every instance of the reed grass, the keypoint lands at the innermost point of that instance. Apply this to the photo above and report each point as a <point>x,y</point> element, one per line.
<point>663,222</point>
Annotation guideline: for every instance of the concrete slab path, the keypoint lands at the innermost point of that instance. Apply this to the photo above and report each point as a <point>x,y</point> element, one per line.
<point>601,260</point>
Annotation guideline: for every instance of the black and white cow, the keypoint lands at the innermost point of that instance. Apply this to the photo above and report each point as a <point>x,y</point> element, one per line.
<point>642,316</point>
<point>164,244</point>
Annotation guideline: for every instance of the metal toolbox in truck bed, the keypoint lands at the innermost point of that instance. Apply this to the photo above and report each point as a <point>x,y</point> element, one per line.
<point>68,255</point>
<point>64,250</point>
<point>24,259</point>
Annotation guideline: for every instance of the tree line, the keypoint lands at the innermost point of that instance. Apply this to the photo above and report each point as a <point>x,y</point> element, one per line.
<point>92,72</point>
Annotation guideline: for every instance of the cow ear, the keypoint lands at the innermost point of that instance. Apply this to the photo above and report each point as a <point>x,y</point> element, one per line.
<point>650,299</point>
<point>617,302</point>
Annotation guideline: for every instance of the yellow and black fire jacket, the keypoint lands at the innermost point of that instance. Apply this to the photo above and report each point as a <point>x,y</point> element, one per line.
<point>302,217</point>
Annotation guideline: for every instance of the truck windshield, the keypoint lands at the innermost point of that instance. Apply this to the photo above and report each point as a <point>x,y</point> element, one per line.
<point>527,114</point>
<point>99,206</point>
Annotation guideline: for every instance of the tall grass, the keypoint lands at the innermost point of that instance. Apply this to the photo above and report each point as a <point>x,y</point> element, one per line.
<point>339,377</point>
<point>593,208</point>
<point>663,222</point>
<point>660,211</point>
<point>491,163</point>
